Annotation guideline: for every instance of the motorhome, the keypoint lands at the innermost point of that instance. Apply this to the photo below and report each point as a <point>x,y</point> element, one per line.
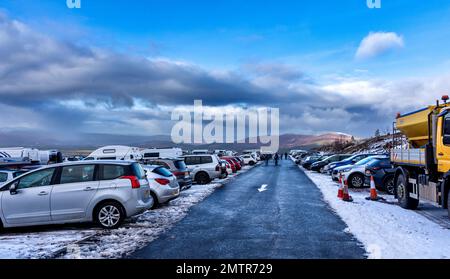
<point>33,155</point>
<point>116,152</point>
<point>161,153</point>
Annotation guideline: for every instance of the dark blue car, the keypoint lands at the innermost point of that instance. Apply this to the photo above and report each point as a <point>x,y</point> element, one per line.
<point>383,174</point>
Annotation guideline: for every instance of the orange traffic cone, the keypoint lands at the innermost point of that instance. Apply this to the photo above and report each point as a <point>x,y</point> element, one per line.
<point>373,190</point>
<point>341,188</point>
<point>347,197</point>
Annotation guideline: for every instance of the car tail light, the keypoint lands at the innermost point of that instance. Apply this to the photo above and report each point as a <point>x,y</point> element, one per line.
<point>162,181</point>
<point>178,173</point>
<point>376,168</point>
<point>134,181</point>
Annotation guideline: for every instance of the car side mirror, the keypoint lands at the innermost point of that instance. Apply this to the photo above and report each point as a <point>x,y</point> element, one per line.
<point>13,189</point>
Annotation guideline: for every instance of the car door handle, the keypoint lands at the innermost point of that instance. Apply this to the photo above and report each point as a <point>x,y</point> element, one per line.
<point>441,154</point>
<point>87,189</point>
<point>43,193</point>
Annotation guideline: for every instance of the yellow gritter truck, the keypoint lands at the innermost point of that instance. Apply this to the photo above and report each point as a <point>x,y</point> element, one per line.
<point>422,158</point>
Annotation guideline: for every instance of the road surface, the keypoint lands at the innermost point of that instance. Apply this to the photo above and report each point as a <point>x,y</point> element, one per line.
<point>287,221</point>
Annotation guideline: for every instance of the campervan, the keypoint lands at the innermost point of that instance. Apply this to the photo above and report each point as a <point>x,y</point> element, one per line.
<point>124,153</point>
<point>157,153</point>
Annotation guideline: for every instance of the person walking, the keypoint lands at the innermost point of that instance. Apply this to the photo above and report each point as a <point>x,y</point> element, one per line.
<point>276,159</point>
<point>286,155</point>
<point>266,158</point>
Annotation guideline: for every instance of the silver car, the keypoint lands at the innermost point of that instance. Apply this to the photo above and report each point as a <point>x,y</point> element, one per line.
<point>164,186</point>
<point>203,168</point>
<point>106,192</point>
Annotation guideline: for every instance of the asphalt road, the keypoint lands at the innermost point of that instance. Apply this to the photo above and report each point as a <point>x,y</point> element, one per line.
<point>288,221</point>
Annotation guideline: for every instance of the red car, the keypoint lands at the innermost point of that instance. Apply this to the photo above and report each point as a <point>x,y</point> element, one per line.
<point>236,162</point>
<point>234,167</point>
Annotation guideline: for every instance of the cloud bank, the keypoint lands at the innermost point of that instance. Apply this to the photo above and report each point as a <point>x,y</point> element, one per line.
<point>65,88</point>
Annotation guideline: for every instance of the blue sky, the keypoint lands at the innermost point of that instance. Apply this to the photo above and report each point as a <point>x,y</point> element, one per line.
<point>225,34</point>
<point>252,43</point>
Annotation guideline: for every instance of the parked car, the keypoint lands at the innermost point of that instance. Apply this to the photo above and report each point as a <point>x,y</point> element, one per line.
<point>236,162</point>
<point>383,174</point>
<point>8,175</point>
<point>232,164</point>
<point>224,165</point>
<point>311,160</point>
<point>203,168</point>
<point>178,168</point>
<point>249,160</point>
<point>228,167</point>
<point>106,192</point>
<point>347,162</point>
<point>164,186</point>
<point>320,165</point>
<point>355,174</point>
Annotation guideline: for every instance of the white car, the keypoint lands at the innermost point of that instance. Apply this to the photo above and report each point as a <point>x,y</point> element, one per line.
<point>355,174</point>
<point>249,160</point>
<point>203,168</point>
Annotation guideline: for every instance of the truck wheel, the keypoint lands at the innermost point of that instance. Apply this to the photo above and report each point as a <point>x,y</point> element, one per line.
<point>389,185</point>
<point>404,200</point>
<point>356,181</point>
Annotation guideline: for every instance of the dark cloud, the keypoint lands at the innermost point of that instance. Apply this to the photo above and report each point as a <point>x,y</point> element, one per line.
<point>41,74</point>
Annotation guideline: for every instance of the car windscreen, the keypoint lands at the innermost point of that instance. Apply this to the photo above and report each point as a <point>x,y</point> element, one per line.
<point>366,161</point>
<point>163,172</point>
<point>180,165</point>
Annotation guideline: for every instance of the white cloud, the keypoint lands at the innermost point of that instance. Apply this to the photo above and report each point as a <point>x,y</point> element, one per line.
<point>377,43</point>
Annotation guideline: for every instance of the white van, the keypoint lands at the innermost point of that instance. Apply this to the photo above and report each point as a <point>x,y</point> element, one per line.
<point>116,152</point>
<point>162,153</point>
<point>43,157</point>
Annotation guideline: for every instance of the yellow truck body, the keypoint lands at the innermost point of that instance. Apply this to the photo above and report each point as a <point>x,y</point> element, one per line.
<point>415,126</point>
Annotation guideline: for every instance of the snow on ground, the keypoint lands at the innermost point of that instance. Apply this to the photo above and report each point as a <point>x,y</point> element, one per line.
<point>135,233</point>
<point>38,244</point>
<point>386,230</point>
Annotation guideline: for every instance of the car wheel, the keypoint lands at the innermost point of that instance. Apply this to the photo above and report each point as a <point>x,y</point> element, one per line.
<point>356,181</point>
<point>251,163</point>
<point>202,178</point>
<point>402,189</point>
<point>389,185</point>
<point>156,203</point>
<point>109,215</point>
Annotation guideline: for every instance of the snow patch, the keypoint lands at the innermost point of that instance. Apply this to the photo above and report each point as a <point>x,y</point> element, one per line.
<point>386,230</point>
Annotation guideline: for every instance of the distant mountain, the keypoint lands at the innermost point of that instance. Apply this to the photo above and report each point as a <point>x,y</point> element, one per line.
<point>92,141</point>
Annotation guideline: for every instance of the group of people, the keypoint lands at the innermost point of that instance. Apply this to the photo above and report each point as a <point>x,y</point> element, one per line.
<point>276,158</point>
